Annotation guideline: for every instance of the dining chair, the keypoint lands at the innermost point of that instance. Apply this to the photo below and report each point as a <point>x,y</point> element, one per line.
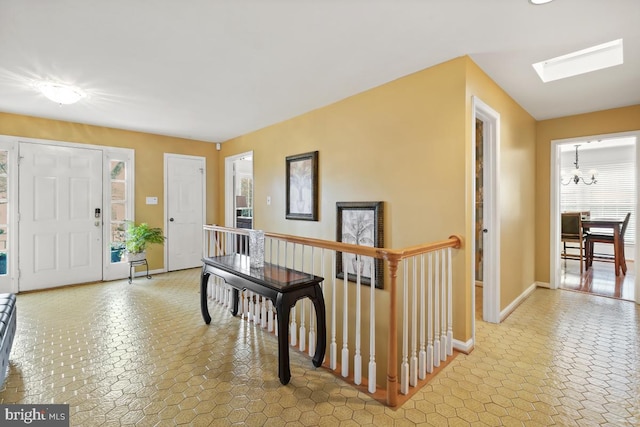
<point>572,233</point>
<point>593,238</point>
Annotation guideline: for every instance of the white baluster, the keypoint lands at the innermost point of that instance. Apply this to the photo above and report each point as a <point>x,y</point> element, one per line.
<point>443,311</point>
<point>312,316</point>
<point>413,363</point>
<point>256,310</point>
<point>345,318</point>
<point>430,314</point>
<point>303,303</point>
<point>436,312</point>
<point>404,373</point>
<point>245,304</point>
<point>372,329</point>
<point>263,313</point>
<point>294,324</point>
<point>357,358</point>
<point>449,305</point>
<point>250,314</point>
<point>422,354</point>
<point>270,316</point>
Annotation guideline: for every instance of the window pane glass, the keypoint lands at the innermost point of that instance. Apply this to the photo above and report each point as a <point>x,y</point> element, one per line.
<point>118,212</point>
<point>3,239</point>
<point>117,191</point>
<point>3,213</point>
<point>117,241</point>
<point>3,188</point>
<point>614,194</point>
<point>117,170</point>
<point>3,263</point>
<point>3,162</point>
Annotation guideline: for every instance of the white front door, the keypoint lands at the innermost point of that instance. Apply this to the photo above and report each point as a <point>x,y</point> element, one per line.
<point>185,189</point>
<point>60,191</point>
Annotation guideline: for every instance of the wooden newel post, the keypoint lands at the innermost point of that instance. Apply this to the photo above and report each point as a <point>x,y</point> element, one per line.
<point>392,359</point>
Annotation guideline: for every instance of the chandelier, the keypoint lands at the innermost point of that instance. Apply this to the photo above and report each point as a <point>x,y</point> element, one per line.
<point>576,174</point>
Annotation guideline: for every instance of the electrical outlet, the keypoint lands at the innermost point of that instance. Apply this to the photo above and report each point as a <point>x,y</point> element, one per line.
<point>268,200</point>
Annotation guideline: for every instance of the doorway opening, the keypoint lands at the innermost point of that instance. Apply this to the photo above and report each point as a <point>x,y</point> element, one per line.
<point>239,199</point>
<point>486,216</point>
<point>596,176</point>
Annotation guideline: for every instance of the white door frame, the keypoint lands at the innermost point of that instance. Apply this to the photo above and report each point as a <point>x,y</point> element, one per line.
<point>491,158</point>
<point>229,205</point>
<point>166,205</point>
<point>11,145</point>
<point>554,203</point>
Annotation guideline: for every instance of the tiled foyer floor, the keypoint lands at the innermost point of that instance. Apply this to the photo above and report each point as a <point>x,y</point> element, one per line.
<point>140,354</point>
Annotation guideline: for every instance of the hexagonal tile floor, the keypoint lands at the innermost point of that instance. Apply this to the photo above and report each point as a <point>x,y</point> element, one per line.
<point>125,355</point>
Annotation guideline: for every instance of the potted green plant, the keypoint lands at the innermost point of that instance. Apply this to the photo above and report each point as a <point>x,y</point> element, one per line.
<point>138,237</point>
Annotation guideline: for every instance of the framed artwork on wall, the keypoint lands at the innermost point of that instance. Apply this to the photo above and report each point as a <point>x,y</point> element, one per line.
<point>302,186</point>
<point>360,223</point>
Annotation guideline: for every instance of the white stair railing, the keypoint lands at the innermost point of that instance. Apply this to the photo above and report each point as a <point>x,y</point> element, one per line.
<point>426,328</point>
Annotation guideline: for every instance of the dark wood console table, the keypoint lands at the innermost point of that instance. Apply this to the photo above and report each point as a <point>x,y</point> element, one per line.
<point>283,286</point>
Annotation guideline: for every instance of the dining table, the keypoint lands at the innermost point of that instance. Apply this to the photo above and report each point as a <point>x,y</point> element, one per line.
<point>615,225</point>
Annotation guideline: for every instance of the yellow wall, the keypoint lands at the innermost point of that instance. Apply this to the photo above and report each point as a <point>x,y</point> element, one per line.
<point>149,159</point>
<point>406,143</point>
<point>598,123</point>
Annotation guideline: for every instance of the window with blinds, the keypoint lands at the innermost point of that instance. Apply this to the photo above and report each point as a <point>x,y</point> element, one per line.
<point>615,192</point>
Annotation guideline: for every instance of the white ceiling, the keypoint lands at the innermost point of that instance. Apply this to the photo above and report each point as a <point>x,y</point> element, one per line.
<point>215,69</point>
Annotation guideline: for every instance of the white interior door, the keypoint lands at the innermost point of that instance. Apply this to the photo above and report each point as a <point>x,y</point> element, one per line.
<point>60,236</point>
<point>185,212</point>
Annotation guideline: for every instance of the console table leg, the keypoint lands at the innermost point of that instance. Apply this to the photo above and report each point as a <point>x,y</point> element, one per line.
<point>204,306</point>
<point>321,334</point>
<point>284,371</point>
<point>235,302</point>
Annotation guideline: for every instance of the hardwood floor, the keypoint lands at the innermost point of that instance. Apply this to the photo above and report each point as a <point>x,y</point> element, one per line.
<point>599,279</point>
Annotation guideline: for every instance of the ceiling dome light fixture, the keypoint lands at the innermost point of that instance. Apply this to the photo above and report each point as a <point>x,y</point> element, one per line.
<point>61,93</point>
<point>540,1</point>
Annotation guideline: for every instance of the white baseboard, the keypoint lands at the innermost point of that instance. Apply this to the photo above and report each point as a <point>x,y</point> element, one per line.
<point>463,347</point>
<point>516,302</point>
<point>543,285</point>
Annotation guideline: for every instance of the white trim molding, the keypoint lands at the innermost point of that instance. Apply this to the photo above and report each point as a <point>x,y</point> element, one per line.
<point>516,302</point>
<point>462,346</point>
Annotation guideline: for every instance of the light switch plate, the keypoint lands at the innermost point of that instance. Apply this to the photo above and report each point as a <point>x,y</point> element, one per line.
<point>152,200</point>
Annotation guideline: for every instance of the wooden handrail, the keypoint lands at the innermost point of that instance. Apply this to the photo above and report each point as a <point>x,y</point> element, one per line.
<point>380,253</point>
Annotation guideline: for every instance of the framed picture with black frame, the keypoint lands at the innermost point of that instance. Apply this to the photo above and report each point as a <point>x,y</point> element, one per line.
<point>302,186</point>
<point>360,223</point>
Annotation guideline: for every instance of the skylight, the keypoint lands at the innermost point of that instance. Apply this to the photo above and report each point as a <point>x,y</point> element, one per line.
<point>583,61</point>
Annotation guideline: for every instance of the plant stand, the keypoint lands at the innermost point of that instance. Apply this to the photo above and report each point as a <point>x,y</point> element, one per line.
<point>133,263</point>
